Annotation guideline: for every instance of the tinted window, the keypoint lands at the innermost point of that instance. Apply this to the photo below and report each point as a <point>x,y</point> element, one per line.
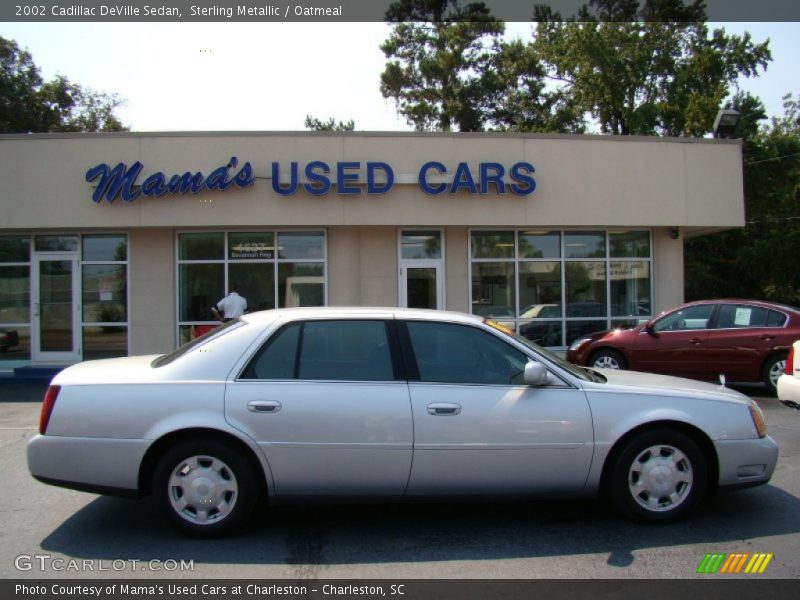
<point>450,353</point>
<point>345,350</point>
<point>732,316</point>
<point>686,319</point>
<point>776,319</point>
<point>277,358</point>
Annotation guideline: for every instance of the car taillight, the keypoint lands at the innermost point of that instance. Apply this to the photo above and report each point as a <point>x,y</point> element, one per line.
<point>47,407</point>
<point>789,370</point>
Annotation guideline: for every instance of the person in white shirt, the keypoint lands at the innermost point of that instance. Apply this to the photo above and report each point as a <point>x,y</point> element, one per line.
<point>231,306</point>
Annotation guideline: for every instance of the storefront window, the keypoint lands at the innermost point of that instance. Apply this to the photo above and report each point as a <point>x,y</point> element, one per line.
<point>201,246</point>
<point>15,293</point>
<point>554,286</point>
<point>421,245</point>
<point>104,294</point>
<point>270,269</point>
<point>15,248</point>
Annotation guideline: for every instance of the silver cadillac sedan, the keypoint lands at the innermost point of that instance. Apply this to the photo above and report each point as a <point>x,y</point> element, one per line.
<point>334,402</point>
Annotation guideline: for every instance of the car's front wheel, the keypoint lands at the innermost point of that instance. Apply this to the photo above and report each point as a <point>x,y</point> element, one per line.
<point>206,489</point>
<point>608,359</point>
<point>658,476</point>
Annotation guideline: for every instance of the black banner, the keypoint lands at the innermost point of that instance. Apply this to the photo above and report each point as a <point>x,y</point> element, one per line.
<point>413,589</point>
<point>359,10</point>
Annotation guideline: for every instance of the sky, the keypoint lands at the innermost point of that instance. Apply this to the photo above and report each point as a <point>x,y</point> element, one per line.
<point>269,76</point>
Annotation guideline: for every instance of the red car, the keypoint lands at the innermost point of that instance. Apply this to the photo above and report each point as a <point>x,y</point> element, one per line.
<point>744,340</point>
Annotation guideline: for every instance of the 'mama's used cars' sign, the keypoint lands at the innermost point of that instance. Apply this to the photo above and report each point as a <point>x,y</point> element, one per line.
<point>319,179</point>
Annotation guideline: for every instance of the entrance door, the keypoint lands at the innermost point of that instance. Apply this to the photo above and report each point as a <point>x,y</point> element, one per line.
<point>55,308</point>
<point>421,284</point>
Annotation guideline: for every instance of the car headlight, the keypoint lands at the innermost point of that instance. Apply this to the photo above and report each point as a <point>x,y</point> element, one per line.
<point>758,418</point>
<point>578,343</point>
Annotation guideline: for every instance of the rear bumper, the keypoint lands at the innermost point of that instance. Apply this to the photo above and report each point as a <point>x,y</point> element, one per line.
<point>746,463</point>
<point>106,466</point>
<point>789,390</point>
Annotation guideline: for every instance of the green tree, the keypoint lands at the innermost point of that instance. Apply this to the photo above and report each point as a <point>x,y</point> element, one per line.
<point>314,124</point>
<point>437,52</point>
<point>653,69</point>
<point>757,261</point>
<point>28,104</point>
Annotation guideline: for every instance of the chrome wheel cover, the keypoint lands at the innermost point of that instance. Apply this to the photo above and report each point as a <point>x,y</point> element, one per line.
<point>776,371</point>
<point>660,478</point>
<point>606,362</point>
<point>202,489</point>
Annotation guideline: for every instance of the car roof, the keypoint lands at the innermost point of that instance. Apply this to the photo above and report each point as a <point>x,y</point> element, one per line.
<point>350,312</point>
<point>750,301</point>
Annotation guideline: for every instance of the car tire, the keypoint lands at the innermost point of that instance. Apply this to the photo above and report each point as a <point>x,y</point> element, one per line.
<point>658,476</point>
<point>205,489</point>
<point>773,369</point>
<point>608,359</point>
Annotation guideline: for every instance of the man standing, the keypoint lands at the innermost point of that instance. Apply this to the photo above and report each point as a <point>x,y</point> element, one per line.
<point>231,306</point>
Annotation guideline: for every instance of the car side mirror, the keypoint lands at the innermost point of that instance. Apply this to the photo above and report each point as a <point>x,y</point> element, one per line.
<point>535,373</point>
<point>649,328</point>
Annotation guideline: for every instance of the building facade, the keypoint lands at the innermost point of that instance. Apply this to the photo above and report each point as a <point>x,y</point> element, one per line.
<point>117,244</point>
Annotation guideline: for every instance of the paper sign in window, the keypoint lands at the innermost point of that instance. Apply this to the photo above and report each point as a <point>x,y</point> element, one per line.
<point>742,317</point>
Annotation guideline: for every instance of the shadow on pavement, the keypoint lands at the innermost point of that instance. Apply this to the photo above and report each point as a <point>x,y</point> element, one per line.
<point>111,528</point>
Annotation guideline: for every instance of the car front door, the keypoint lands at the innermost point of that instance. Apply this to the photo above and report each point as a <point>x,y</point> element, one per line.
<point>478,428</point>
<point>322,400</point>
<point>676,343</point>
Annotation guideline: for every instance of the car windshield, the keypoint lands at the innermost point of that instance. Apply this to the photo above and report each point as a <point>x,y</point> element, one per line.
<point>198,341</point>
<point>584,374</point>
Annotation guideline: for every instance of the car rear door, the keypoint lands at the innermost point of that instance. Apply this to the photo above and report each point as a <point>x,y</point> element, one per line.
<point>477,428</point>
<point>324,402</point>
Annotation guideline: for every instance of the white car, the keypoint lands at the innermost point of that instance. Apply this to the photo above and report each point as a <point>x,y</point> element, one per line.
<point>387,402</point>
<point>789,382</point>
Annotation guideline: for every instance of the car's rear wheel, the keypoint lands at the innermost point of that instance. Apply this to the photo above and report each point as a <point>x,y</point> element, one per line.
<point>658,476</point>
<point>206,489</point>
<point>608,359</point>
<point>773,369</point>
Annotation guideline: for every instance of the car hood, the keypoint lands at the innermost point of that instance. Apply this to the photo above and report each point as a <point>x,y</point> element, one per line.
<point>131,369</point>
<point>665,385</point>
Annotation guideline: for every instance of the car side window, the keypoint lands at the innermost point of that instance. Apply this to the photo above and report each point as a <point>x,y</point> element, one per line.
<point>776,319</point>
<point>735,316</point>
<point>345,351</point>
<point>686,319</point>
<point>452,353</point>
<point>276,359</point>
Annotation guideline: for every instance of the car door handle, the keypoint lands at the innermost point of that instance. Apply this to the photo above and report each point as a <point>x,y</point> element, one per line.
<point>696,341</point>
<point>765,337</point>
<point>264,406</point>
<point>444,409</point>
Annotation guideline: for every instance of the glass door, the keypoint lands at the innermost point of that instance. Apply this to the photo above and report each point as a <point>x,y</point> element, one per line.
<point>421,285</point>
<point>55,308</point>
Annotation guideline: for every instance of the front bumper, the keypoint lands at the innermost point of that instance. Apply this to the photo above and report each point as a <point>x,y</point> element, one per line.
<point>746,463</point>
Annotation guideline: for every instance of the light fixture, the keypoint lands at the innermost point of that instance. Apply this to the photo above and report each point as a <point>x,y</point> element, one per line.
<point>674,233</point>
<point>725,123</point>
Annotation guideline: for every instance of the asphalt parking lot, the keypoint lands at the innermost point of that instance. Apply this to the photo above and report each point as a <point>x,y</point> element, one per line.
<point>54,533</point>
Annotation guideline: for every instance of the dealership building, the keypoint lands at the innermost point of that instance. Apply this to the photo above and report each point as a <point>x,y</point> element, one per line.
<point>118,244</point>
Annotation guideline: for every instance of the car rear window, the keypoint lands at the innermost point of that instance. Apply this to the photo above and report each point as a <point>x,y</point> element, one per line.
<point>198,341</point>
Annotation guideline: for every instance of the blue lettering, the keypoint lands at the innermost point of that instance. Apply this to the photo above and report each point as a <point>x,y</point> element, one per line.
<point>245,176</point>
<point>188,182</point>
<point>113,181</point>
<point>376,188</point>
<point>276,179</point>
<point>423,174</point>
<point>154,185</point>
<point>492,173</point>
<point>320,183</point>
<point>521,173</point>
<point>342,178</point>
<point>463,179</point>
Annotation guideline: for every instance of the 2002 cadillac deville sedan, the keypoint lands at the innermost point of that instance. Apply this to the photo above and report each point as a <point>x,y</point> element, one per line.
<point>387,402</point>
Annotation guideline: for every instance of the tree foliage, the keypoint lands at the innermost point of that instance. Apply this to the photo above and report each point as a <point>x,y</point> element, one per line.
<point>314,124</point>
<point>758,261</point>
<point>28,104</point>
<point>649,69</point>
